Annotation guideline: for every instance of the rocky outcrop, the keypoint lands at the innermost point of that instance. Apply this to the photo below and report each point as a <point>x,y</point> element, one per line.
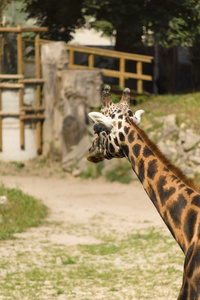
<point>68,97</point>
<point>180,145</point>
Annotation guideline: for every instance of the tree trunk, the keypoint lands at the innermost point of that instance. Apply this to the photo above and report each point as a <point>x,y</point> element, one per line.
<point>195,60</point>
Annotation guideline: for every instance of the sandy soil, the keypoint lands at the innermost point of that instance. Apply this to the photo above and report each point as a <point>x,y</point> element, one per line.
<point>74,201</point>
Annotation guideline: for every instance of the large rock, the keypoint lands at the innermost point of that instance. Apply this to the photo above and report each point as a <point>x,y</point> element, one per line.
<point>194,156</point>
<point>80,90</point>
<point>69,96</point>
<point>78,152</point>
<point>168,148</point>
<point>188,139</point>
<point>83,86</point>
<point>170,129</point>
<point>54,60</point>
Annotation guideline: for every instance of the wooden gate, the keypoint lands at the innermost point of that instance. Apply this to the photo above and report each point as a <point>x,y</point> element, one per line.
<point>18,81</point>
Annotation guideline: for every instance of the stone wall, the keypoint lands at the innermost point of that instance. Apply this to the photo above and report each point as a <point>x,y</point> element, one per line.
<point>68,97</point>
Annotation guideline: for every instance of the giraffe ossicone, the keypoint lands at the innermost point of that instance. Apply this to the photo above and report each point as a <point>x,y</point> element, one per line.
<point>176,197</point>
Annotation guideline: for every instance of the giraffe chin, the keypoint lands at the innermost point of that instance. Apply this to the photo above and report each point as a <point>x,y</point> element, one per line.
<point>98,157</point>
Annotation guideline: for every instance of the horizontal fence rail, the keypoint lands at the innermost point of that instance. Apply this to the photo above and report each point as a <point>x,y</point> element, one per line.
<point>122,56</point>
<point>35,114</point>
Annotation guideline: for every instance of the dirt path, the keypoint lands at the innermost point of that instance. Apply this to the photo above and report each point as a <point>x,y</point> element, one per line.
<point>75,203</point>
<point>76,200</point>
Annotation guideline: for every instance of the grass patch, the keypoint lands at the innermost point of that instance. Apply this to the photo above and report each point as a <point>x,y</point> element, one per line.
<point>120,173</point>
<point>23,211</point>
<point>145,264</point>
<point>93,171</point>
<point>185,107</point>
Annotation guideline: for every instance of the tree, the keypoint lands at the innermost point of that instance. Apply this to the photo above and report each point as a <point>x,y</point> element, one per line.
<point>3,4</point>
<point>62,17</point>
<point>169,22</point>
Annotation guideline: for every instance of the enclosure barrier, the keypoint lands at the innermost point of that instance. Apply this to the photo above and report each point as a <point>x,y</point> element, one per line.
<point>122,56</point>
<point>25,113</point>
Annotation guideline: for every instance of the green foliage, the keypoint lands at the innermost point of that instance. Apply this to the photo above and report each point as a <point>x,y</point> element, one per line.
<point>61,17</point>
<point>93,171</point>
<point>185,107</point>
<point>24,211</point>
<point>3,4</point>
<point>19,165</point>
<point>120,173</point>
<point>168,22</point>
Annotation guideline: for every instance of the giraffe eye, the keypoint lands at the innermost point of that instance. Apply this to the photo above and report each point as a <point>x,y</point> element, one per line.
<point>130,113</point>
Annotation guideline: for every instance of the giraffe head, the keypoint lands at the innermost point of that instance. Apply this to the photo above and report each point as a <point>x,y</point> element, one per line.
<point>109,125</point>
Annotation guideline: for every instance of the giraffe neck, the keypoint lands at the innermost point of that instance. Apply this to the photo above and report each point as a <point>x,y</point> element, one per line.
<point>167,187</point>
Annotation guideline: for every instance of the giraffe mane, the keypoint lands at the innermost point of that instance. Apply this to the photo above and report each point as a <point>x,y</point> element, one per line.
<point>168,164</point>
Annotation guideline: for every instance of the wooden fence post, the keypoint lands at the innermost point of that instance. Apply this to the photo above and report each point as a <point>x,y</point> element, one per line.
<point>122,69</point>
<point>139,81</point>
<point>91,61</point>
<point>71,57</point>
<point>37,75</point>
<point>0,103</point>
<point>20,71</point>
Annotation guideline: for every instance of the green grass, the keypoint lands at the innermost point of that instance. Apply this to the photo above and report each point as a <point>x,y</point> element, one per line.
<point>120,173</point>
<point>22,212</point>
<point>144,264</point>
<point>185,107</point>
<point>93,171</point>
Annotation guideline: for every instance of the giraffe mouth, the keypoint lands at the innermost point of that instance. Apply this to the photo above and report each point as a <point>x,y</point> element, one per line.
<point>96,151</point>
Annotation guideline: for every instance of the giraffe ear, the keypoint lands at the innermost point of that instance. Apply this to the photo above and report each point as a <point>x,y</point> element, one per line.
<point>102,120</point>
<point>138,115</point>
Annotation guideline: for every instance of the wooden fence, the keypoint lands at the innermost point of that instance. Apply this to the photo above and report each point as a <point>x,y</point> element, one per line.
<point>122,56</point>
<point>35,114</point>
<point>25,113</point>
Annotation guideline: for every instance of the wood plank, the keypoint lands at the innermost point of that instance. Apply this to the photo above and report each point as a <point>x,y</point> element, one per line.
<point>1,129</point>
<point>34,29</point>
<point>91,61</point>
<point>38,100</point>
<point>9,114</point>
<point>21,29</point>
<point>7,85</point>
<point>71,57</point>
<point>32,117</point>
<point>19,51</point>
<point>109,53</point>
<point>114,73</point>
<point>32,108</point>
<point>139,81</point>
<point>122,70</point>
<point>20,71</point>
<point>10,29</point>
<point>11,76</point>
<point>32,81</point>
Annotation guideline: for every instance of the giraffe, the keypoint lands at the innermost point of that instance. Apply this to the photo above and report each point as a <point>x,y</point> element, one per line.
<point>176,197</point>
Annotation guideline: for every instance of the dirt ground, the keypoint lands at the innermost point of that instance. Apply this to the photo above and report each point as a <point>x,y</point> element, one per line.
<point>76,200</point>
<point>122,207</point>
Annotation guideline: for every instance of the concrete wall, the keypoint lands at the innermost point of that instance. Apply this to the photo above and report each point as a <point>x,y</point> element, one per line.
<point>68,97</point>
<point>11,128</point>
